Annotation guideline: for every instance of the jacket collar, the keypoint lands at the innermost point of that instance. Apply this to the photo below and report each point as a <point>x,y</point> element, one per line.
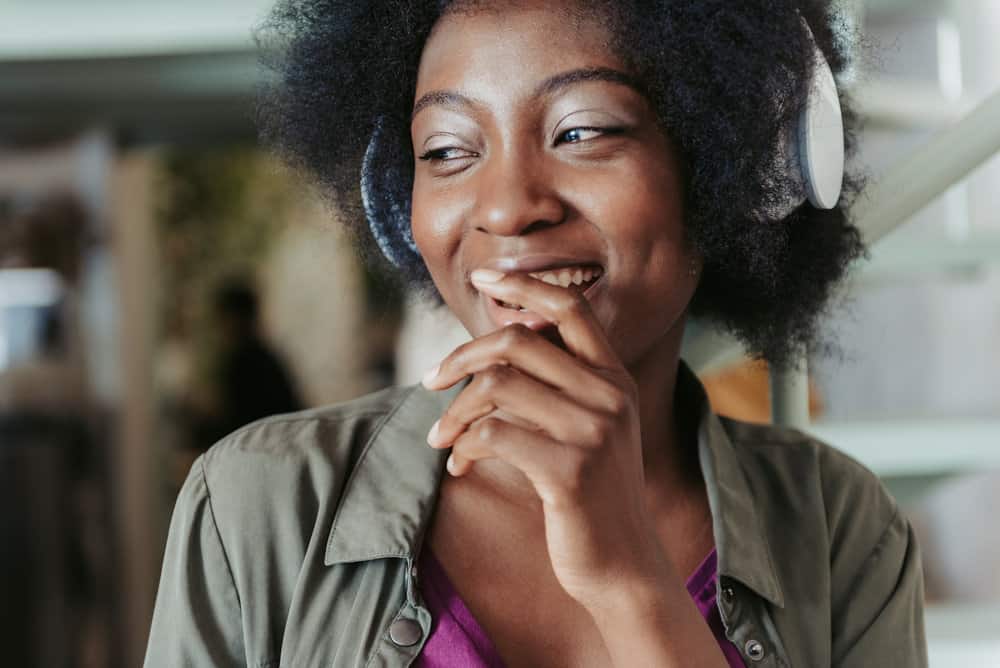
<point>390,494</point>
<point>389,497</point>
<point>737,524</point>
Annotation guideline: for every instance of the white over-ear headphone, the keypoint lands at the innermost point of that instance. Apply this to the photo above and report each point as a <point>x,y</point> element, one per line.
<point>813,150</point>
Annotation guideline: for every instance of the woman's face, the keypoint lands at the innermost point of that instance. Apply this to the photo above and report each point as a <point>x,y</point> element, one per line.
<point>533,152</point>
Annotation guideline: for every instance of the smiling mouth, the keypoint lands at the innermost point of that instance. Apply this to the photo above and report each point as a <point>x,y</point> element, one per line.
<point>578,279</point>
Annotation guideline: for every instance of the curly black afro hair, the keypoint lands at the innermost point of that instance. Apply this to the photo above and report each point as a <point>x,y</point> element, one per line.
<point>727,80</point>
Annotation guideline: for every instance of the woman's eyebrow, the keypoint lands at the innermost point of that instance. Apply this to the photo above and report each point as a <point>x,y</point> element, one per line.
<point>443,98</point>
<point>450,98</point>
<point>563,79</point>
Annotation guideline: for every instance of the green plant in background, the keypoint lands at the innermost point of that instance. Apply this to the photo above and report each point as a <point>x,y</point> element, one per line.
<point>220,212</point>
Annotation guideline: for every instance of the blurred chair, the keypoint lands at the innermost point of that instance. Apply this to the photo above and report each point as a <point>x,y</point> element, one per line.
<point>742,391</point>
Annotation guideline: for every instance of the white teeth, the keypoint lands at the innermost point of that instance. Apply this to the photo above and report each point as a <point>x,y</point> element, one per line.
<point>569,275</point>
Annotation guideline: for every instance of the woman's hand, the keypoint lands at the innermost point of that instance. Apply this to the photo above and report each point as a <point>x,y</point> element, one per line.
<point>573,430</point>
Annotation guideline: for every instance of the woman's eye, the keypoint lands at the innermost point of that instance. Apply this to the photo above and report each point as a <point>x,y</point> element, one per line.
<point>576,135</point>
<point>445,153</point>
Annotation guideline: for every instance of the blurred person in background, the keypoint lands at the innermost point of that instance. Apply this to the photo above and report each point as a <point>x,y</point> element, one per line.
<point>250,380</point>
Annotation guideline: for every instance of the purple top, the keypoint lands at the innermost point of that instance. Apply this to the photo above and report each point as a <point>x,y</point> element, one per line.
<point>456,638</point>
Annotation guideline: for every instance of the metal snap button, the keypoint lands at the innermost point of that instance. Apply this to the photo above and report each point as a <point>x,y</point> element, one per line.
<point>405,632</point>
<point>754,650</point>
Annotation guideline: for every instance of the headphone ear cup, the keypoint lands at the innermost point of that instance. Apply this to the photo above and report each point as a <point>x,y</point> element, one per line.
<point>386,185</point>
<point>820,138</point>
<point>810,156</point>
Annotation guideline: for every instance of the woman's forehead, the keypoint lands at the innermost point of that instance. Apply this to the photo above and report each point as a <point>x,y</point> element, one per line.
<point>512,47</point>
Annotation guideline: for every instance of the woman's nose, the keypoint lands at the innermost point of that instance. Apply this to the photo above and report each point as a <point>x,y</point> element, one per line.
<point>515,196</point>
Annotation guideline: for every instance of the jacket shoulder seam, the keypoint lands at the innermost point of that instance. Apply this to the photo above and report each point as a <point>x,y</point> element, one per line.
<point>292,418</point>
<point>335,414</point>
<point>218,534</point>
<point>883,534</point>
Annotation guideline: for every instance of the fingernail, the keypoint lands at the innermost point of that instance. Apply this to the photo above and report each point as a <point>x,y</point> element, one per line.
<point>431,375</point>
<point>432,434</point>
<point>451,464</point>
<point>485,276</point>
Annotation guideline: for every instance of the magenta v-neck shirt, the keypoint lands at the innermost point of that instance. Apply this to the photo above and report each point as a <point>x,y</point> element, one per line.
<point>457,640</point>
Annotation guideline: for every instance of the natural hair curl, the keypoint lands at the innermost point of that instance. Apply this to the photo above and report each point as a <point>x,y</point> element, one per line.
<point>727,80</point>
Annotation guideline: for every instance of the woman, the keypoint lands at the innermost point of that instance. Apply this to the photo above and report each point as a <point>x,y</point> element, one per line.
<point>572,179</point>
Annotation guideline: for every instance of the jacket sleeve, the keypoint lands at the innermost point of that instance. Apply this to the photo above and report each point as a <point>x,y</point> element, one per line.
<point>196,620</point>
<point>884,622</point>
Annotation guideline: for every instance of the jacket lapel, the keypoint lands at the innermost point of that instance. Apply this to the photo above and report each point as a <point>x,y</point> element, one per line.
<point>390,494</point>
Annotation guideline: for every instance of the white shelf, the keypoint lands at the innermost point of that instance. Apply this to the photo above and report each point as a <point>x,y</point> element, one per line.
<point>902,104</point>
<point>113,28</point>
<point>963,635</point>
<point>917,446</point>
<point>900,259</point>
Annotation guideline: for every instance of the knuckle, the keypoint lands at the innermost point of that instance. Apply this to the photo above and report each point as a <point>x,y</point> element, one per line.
<point>617,395</point>
<point>616,402</point>
<point>595,431</point>
<point>513,335</point>
<point>492,377</point>
<point>488,429</point>
<point>486,381</point>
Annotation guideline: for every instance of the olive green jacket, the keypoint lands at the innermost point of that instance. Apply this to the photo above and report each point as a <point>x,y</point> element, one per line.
<point>294,540</point>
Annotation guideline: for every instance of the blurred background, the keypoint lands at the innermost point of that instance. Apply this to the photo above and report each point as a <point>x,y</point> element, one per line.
<point>154,264</point>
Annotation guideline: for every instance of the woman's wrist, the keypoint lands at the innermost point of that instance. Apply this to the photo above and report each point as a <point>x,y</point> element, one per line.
<point>657,624</point>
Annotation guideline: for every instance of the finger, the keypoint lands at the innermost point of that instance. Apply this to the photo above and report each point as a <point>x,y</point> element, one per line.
<point>539,457</point>
<point>525,399</point>
<point>527,350</point>
<point>568,310</point>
